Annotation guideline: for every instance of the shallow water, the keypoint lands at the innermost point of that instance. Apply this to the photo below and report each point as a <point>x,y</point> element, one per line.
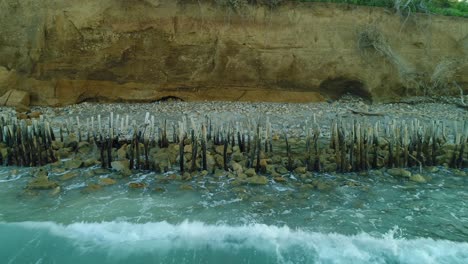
<point>372,218</point>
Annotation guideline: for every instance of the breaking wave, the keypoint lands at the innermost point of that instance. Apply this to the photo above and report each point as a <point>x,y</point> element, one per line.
<point>196,242</point>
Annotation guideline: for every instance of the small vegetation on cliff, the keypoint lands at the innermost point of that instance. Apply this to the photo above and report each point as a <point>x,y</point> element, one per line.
<point>433,82</point>
<point>442,7</point>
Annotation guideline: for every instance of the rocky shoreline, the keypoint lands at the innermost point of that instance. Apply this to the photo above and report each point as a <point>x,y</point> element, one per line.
<point>248,143</point>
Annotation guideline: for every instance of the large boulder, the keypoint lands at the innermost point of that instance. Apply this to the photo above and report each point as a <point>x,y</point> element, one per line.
<point>122,166</point>
<point>257,180</point>
<point>41,182</point>
<point>16,98</point>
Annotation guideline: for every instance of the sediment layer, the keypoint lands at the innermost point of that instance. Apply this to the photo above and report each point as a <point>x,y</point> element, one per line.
<point>64,52</point>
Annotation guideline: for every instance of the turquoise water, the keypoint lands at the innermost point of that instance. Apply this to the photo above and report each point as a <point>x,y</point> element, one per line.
<point>350,218</point>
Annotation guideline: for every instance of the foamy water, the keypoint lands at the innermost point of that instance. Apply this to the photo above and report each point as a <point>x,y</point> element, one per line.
<point>196,242</point>
<point>376,219</point>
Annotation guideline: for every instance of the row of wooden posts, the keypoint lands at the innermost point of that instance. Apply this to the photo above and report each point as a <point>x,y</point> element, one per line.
<point>26,145</point>
<point>354,145</point>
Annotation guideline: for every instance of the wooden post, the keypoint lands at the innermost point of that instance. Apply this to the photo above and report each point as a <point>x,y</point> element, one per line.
<point>181,147</point>
<point>225,159</point>
<point>204,165</point>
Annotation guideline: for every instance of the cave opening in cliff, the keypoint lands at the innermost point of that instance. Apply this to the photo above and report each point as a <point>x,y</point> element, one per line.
<point>337,87</point>
<point>170,99</point>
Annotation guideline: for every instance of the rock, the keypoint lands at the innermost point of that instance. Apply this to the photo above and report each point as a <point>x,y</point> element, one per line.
<point>237,182</point>
<point>122,152</point>
<point>41,182</point>
<point>188,149</point>
<point>71,141</point>
<point>15,98</point>
<point>56,145</point>
<point>276,159</point>
<point>377,173</point>
<point>459,173</point>
<point>73,164</point>
<point>280,179</point>
<point>34,115</point>
<point>210,161</point>
<point>186,176</point>
<point>219,173</point>
<point>83,147</point>
<point>159,189</point>
<point>58,170</point>
<point>431,169</point>
<point>21,116</point>
<point>101,171</point>
<point>270,169</point>
<point>22,108</point>
<point>330,167</point>
<point>220,150</point>
<point>88,174</point>
<point>90,162</point>
<point>307,186</point>
<point>257,180</point>
<point>239,190</point>
<point>298,163</point>
<point>122,166</point>
<point>353,184</point>
<point>364,173</point>
<point>236,167</point>
<point>242,176</point>
<point>250,172</point>
<point>263,163</point>
<point>274,174</point>
<point>3,152</point>
<point>69,175</point>
<point>300,170</point>
<point>417,178</point>
<point>237,157</point>
<point>186,187</point>
<point>281,170</point>
<point>398,172</point>
<point>55,191</point>
<point>175,177</point>
<point>64,152</point>
<point>92,187</point>
<point>219,160</point>
<point>107,181</point>
<point>41,173</point>
<point>162,160</point>
<point>137,185</point>
<point>324,186</point>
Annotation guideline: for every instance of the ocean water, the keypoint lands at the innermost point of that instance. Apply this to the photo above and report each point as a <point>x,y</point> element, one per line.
<point>351,218</point>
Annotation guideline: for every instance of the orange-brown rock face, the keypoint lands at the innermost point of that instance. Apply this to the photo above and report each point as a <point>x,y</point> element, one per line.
<point>64,51</point>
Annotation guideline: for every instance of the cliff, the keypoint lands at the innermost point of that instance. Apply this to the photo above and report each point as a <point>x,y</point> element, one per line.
<point>64,52</point>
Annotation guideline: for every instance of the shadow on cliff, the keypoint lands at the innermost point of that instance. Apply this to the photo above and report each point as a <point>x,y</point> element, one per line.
<point>337,87</point>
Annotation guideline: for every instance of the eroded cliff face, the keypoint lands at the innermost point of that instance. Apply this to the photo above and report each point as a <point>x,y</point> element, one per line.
<point>64,51</point>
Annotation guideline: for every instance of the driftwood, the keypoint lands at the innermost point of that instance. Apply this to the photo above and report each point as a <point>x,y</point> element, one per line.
<point>365,113</point>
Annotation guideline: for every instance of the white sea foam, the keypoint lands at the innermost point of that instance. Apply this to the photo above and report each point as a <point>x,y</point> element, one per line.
<point>283,242</point>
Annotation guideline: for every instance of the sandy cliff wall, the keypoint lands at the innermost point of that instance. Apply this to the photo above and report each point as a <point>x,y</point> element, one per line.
<point>64,51</point>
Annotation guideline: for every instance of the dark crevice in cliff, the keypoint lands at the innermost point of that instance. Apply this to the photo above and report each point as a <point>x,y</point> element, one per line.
<point>337,87</point>
<point>170,99</point>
